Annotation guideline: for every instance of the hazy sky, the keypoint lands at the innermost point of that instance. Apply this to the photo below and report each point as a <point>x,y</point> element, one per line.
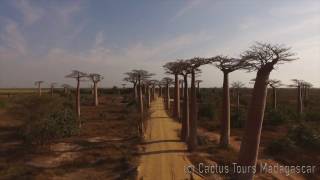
<point>45,40</point>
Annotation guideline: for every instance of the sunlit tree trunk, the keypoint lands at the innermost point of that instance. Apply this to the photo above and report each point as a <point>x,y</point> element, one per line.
<point>160,91</point>
<point>225,120</point>
<point>39,89</point>
<point>78,97</point>
<point>185,113</point>
<point>148,96</point>
<point>153,92</point>
<point>251,137</point>
<point>168,97</point>
<point>141,128</point>
<point>135,89</point>
<point>176,110</point>
<point>95,94</point>
<point>192,141</point>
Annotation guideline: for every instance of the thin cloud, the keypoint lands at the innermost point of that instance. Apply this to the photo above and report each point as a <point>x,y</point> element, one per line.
<point>189,5</point>
<point>30,13</point>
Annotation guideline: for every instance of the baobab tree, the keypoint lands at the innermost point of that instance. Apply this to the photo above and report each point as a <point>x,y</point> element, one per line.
<point>236,86</point>
<point>198,86</point>
<point>298,84</point>
<point>305,89</point>
<point>141,76</point>
<point>95,78</point>
<point>132,78</point>
<point>226,65</point>
<point>153,83</point>
<point>79,76</point>
<point>181,82</point>
<point>274,84</point>
<point>52,85</point>
<point>160,89</point>
<point>194,65</point>
<point>174,68</point>
<point>167,81</point>
<point>185,70</point>
<point>66,87</point>
<point>261,57</point>
<point>38,83</point>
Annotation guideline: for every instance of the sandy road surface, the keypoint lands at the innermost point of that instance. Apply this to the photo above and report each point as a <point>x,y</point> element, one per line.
<point>165,155</point>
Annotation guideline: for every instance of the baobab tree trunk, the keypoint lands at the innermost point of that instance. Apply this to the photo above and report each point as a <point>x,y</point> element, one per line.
<point>51,91</point>
<point>148,96</point>
<point>274,98</point>
<point>95,94</point>
<point>135,89</point>
<point>176,110</point>
<point>140,125</point>
<point>300,103</point>
<point>251,138</point>
<point>153,93</point>
<point>182,90</point>
<point>185,114</point>
<point>92,90</point>
<point>192,141</point>
<point>78,98</point>
<point>168,98</point>
<point>39,89</point>
<point>225,120</point>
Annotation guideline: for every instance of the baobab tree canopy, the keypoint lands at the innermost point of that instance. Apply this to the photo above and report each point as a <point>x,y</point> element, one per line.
<point>77,74</point>
<point>95,77</point>
<point>226,64</point>
<point>38,82</point>
<point>266,55</point>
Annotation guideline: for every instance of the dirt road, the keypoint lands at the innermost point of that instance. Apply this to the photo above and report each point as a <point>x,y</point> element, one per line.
<point>165,155</point>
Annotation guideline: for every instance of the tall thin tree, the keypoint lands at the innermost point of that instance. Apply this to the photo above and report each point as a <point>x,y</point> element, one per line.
<point>95,78</point>
<point>38,83</point>
<point>226,65</point>
<point>79,76</point>
<point>194,65</point>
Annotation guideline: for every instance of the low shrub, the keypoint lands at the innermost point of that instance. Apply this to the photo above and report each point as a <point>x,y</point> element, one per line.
<point>206,110</point>
<point>238,119</point>
<point>275,117</point>
<point>280,146</point>
<point>312,116</point>
<point>305,135</point>
<point>3,103</point>
<point>45,118</point>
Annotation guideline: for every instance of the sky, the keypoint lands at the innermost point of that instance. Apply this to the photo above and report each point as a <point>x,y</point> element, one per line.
<point>46,40</point>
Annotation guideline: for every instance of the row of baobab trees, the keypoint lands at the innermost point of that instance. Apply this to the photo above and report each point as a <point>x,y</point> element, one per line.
<point>78,76</point>
<point>260,58</point>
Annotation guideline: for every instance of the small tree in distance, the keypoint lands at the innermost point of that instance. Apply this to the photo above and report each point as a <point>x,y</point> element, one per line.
<point>38,83</point>
<point>174,68</point>
<point>236,86</point>
<point>95,78</point>
<point>167,81</point>
<point>52,85</point>
<point>132,78</point>
<point>79,76</point>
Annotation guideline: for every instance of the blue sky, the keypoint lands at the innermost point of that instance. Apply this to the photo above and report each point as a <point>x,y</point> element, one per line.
<point>45,40</point>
